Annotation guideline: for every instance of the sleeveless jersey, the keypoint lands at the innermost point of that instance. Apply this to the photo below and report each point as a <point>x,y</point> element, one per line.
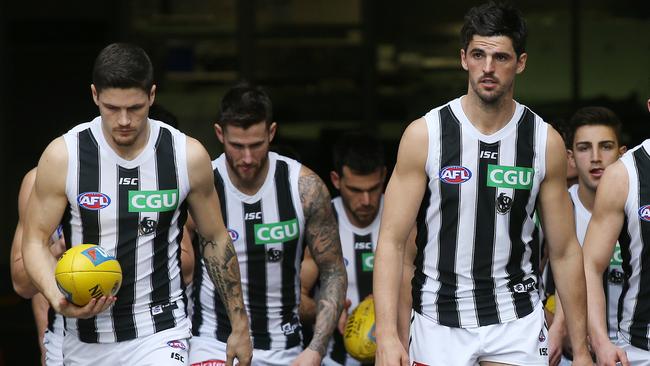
<point>477,242</point>
<point>135,210</point>
<point>267,233</point>
<point>613,278</point>
<point>634,305</point>
<point>358,245</point>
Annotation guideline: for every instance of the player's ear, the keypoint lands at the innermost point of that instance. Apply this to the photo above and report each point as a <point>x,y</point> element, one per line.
<point>218,130</point>
<point>336,180</point>
<point>571,159</point>
<point>622,150</point>
<point>93,90</point>
<point>463,60</point>
<point>272,128</point>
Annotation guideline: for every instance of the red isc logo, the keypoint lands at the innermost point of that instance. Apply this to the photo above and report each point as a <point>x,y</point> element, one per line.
<point>454,174</point>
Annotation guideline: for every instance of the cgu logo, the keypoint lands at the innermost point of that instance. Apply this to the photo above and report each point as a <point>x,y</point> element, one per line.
<point>454,174</point>
<point>644,213</point>
<point>93,200</point>
<point>276,232</point>
<point>509,177</point>
<point>363,245</point>
<point>153,201</point>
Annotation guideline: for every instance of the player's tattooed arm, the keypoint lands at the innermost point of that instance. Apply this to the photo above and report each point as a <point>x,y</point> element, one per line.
<point>322,237</point>
<point>223,267</point>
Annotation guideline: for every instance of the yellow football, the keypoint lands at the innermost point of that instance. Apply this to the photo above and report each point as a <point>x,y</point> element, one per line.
<point>359,337</point>
<point>86,271</point>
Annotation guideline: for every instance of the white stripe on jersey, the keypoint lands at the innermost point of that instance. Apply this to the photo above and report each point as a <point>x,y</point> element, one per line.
<point>109,166</point>
<point>466,223</point>
<point>632,326</point>
<point>613,290</point>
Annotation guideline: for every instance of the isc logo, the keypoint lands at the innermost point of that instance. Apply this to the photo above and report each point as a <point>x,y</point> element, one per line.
<point>253,216</point>
<point>93,200</point>
<point>492,155</point>
<point>644,213</point>
<point>363,245</point>
<point>128,181</point>
<point>454,174</point>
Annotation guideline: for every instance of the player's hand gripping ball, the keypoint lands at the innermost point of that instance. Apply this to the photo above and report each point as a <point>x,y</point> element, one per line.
<point>359,338</point>
<point>86,271</point>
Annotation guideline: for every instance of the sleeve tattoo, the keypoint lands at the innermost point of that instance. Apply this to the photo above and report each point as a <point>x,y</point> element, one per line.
<point>223,267</point>
<point>322,236</point>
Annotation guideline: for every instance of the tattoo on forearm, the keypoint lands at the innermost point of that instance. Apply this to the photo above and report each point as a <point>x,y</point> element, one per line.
<point>322,236</point>
<point>223,267</point>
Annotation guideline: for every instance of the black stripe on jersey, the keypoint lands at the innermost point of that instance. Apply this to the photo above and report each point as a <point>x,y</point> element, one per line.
<point>287,211</point>
<point>338,353</point>
<point>89,177</point>
<point>126,254</point>
<point>50,318</point>
<point>66,226</point>
<point>486,305</point>
<point>160,279</point>
<point>362,245</point>
<point>624,241</point>
<point>450,145</point>
<point>223,322</point>
<point>639,326</point>
<point>197,282</point>
<point>421,240</point>
<point>525,154</point>
<point>256,279</point>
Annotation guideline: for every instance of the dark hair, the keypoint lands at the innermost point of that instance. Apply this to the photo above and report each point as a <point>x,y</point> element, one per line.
<point>123,65</point>
<point>360,152</point>
<point>245,105</point>
<point>593,116</point>
<point>495,19</point>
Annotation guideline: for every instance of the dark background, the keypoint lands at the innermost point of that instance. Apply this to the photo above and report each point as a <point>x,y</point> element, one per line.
<point>329,65</point>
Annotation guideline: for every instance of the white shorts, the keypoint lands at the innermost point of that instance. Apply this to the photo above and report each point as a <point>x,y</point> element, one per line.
<point>169,347</point>
<point>53,344</point>
<point>208,351</point>
<point>636,356</point>
<point>521,342</point>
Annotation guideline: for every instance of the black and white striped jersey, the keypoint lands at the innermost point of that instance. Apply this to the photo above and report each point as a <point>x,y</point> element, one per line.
<point>634,305</point>
<point>477,242</point>
<point>613,278</point>
<point>135,210</point>
<point>358,246</point>
<point>267,231</point>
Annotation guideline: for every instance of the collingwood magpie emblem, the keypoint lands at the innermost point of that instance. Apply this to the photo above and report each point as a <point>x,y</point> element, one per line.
<point>504,203</point>
<point>274,255</point>
<point>147,226</point>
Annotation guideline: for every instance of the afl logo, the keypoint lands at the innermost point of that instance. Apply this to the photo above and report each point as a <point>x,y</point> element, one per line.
<point>233,235</point>
<point>644,213</point>
<point>455,174</point>
<point>93,200</point>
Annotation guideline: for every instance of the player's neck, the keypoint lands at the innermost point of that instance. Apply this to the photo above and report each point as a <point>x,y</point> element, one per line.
<point>249,186</point>
<point>356,222</point>
<point>131,151</point>
<point>488,118</point>
<point>586,196</point>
